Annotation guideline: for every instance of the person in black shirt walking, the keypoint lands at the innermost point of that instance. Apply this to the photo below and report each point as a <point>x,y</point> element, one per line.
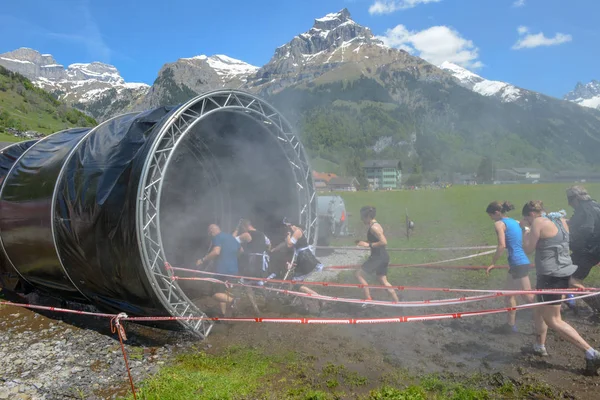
<point>254,261</point>
<point>585,239</point>
<point>379,260</point>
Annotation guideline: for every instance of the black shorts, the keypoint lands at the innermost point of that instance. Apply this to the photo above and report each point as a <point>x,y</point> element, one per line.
<point>377,265</point>
<point>551,282</point>
<point>584,262</point>
<point>519,271</point>
<point>306,262</point>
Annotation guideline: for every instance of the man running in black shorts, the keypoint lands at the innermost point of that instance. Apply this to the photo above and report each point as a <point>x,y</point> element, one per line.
<point>379,260</point>
<point>585,239</point>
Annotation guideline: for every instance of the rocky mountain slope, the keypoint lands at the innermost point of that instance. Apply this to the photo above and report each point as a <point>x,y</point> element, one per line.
<point>587,95</point>
<point>352,97</point>
<point>183,79</point>
<point>95,88</point>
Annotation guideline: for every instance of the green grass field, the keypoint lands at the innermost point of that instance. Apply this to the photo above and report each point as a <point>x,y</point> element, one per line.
<point>447,218</point>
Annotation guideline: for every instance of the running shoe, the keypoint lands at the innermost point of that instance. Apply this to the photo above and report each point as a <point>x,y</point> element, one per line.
<point>540,351</point>
<point>592,364</point>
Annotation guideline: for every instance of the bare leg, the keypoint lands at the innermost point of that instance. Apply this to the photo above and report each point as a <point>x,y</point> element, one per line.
<point>223,299</point>
<point>510,301</point>
<point>308,290</point>
<point>250,294</point>
<point>541,329</point>
<point>525,284</point>
<point>551,316</point>
<point>363,281</point>
<point>392,292</point>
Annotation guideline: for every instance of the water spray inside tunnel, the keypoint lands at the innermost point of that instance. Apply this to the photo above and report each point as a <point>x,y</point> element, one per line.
<point>109,206</point>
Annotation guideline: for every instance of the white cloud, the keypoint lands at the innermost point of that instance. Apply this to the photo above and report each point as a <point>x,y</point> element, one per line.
<point>519,3</point>
<point>531,40</point>
<point>436,45</point>
<point>389,6</point>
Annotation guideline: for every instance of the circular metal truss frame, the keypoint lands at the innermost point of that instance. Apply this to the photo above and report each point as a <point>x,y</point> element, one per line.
<point>169,137</point>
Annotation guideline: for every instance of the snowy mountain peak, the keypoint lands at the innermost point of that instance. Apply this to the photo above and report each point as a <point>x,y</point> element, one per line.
<point>225,66</point>
<point>505,91</point>
<point>587,95</point>
<point>96,71</point>
<point>333,20</point>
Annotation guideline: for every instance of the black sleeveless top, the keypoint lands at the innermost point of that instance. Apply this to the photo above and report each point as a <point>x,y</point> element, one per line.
<point>376,252</point>
<point>258,244</point>
<point>301,243</point>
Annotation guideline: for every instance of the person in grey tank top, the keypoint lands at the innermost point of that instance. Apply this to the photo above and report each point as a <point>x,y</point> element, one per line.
<point>548,236</point>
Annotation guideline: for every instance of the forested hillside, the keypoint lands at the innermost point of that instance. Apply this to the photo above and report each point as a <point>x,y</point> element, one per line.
<point>24,106</point>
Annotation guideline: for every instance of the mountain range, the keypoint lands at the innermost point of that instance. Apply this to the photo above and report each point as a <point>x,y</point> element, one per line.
<point>353,97</point>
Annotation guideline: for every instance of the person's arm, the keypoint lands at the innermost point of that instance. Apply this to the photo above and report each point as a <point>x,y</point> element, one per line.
<point>501,235</point>
<point>292,239</point>
<point>531,237</point>
<point>214,253</point>
<point>244,238</point>
<point>268,243</point>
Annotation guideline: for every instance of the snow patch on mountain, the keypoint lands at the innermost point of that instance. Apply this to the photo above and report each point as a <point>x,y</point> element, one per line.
<point>587,95</point>
<point>505,91</point>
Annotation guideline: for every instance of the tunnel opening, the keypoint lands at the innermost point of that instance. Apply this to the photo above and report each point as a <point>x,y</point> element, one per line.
<point>227,167</point>
<point>220,157</point>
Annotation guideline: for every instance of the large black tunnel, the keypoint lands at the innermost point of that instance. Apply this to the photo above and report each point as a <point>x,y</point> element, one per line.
<point>93,215</point>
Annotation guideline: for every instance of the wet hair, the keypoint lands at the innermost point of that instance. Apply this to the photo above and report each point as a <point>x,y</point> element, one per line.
<point>368,212</point>
<point>245,223</point>
<point>578,193</point>
<point>533,206</point>
<point>501,207</point>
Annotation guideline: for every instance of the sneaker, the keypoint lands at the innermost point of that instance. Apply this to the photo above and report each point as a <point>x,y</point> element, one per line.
<point>540,351</point>
<point>592,364</point>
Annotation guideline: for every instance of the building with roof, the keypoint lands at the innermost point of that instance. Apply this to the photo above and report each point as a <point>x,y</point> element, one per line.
<point>344,184</point>
<point>321,179</point>
<point>383,174</point>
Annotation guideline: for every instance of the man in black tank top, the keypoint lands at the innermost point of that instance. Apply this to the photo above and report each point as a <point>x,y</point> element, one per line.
<point>379,260</point>
<point>254,261</point>
<point>306,262</point>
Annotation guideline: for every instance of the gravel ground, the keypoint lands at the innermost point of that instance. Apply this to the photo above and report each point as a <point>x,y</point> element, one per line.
<point>42,357</point>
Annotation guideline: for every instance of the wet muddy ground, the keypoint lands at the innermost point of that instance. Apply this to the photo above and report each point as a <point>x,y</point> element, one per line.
<point>50,357</point>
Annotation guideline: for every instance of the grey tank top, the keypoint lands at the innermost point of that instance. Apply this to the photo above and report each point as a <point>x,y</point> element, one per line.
<point>552,255</point>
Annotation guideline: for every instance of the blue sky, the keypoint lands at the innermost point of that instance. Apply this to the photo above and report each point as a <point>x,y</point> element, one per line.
<point>559,38</point>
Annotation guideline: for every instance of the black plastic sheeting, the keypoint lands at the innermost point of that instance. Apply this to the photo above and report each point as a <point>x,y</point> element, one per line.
<point>69,204</point>
<point>8,156</point>
<point>26,217</point>
<point>95,215</point>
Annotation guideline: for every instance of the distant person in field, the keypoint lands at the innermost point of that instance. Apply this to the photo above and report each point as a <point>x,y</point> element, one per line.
<point>585,239</point>
<point>224,251</point>
<point>510,237</point>
<point>254,261</point>
<point>379,260</point>
<point>306,262</point>
<point>548,236</point>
